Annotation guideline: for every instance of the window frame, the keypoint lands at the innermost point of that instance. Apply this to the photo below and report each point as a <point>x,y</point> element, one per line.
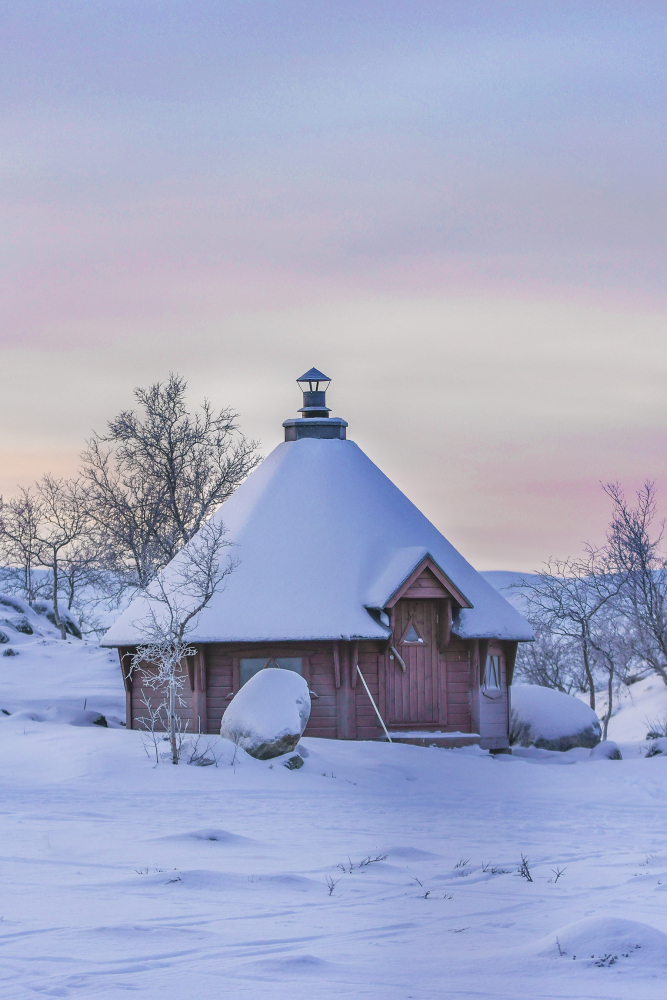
<point>268,660</point>
<point>493,660</point>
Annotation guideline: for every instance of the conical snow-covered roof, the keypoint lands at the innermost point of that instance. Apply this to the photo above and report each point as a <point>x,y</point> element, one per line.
<point>322,535</point>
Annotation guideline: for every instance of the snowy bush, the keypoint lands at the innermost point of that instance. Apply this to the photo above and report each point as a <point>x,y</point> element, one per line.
<point>607,750</point>
<point>551,720</point>
<point>658,746</point>
<point>604,941</point>
<point>268,715</point>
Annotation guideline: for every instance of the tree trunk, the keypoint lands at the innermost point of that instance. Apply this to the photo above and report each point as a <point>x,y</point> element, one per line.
<point>610,694</point>
<point>589,675</point>
<point>56,614</point>
<point>172,721</point>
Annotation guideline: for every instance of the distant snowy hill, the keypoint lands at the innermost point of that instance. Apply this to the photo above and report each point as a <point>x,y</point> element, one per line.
<point>507,583</point>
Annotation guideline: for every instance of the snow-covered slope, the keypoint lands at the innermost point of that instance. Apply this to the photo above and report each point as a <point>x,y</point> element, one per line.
<point>69,681</point>
<point>638,708</point>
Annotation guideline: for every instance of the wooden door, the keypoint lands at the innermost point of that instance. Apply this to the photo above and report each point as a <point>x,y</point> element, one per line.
<point>415,697</point>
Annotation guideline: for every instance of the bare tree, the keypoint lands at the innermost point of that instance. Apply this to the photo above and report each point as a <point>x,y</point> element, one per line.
<point>154,479</point>
<point>568,597</point>
<point>175,599</point>
<point>552,661</point>
<point>614,650</point>
<point>46,526</point>
<point>63,522</point>
<point>635,544</point>
<point>20,519</point>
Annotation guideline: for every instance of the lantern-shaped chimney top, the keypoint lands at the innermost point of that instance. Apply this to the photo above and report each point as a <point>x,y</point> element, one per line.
<point>314,386</point>
<point>315,421</point>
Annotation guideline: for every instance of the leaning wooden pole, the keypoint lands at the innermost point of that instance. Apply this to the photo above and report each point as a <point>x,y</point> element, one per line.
<point>377,710</point>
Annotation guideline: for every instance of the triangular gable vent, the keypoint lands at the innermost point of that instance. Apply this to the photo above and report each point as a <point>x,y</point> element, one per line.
<point>411,634</point>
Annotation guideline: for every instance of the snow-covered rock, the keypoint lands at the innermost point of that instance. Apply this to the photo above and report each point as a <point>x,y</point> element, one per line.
<point>607,750</point>
<point>268,715</point>
<point>551,720</point>
<point>657,747</point>
<point>19,620</point>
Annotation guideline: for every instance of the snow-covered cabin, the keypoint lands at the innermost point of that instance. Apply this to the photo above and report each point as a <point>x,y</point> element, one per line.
<point>343,579</point>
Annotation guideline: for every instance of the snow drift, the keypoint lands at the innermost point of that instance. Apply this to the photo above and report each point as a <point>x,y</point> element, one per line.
<point>551,720</point>
<point>268,715</point>
<point>604,941</point>
<point>20,620</point>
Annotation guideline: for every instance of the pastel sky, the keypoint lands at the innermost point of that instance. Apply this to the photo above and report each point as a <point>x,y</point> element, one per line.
<point>456,210</point>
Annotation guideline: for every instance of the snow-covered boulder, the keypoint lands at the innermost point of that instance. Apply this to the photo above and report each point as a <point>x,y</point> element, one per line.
<point>657,747</point>
<point>20,622</point>
<point>551,720</point>
<point>607,750</point>
<point>268,715</point>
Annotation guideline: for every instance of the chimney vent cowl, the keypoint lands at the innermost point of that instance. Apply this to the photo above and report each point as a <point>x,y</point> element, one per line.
<point>315,421</point>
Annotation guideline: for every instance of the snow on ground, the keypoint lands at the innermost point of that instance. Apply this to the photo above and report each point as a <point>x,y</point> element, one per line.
<point>52,678</point>
<point>248,880</point>
<point>124,878</point>
<point>637,708</point>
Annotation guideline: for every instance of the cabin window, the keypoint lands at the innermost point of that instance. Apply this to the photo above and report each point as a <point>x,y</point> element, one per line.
<point>252,665</point>
<point>411,634</point>
<point>492,673</point>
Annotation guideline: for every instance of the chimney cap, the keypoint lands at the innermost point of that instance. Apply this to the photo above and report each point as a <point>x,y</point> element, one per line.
<point>314,376</point>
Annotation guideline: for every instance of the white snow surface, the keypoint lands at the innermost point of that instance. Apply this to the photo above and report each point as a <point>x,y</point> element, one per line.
<point>604,941</point>
<point>122,877</point>
<point>322,534</point>
<point>638,708</point>
<point>65,681</point>
<point>272,705</point>
<point>551,714</point>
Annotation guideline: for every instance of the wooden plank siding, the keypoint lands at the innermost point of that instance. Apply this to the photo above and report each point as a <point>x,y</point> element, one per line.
<point>440,690</point>
<point>219,684</point>
<point>323,720</point>
<point>426,585</point>
<point>457,666</point>
<point>142,692</point>
<point>368,726</point>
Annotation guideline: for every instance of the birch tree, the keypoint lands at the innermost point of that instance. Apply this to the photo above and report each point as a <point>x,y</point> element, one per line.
<point>63,521</point>
<point>635,543</point>
<point>174,601</point>
<point>567,598</point>
<point>20,518</point>
<point>156,476</point>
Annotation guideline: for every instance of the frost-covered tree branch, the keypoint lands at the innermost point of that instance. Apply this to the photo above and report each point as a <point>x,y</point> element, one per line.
<point>174,600</point>
<point>636,549</point>
<point>156,477</point>
<point>64,524</point>
<point>568,598</point>
<point>46,526</point>
<point>20,519</point>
